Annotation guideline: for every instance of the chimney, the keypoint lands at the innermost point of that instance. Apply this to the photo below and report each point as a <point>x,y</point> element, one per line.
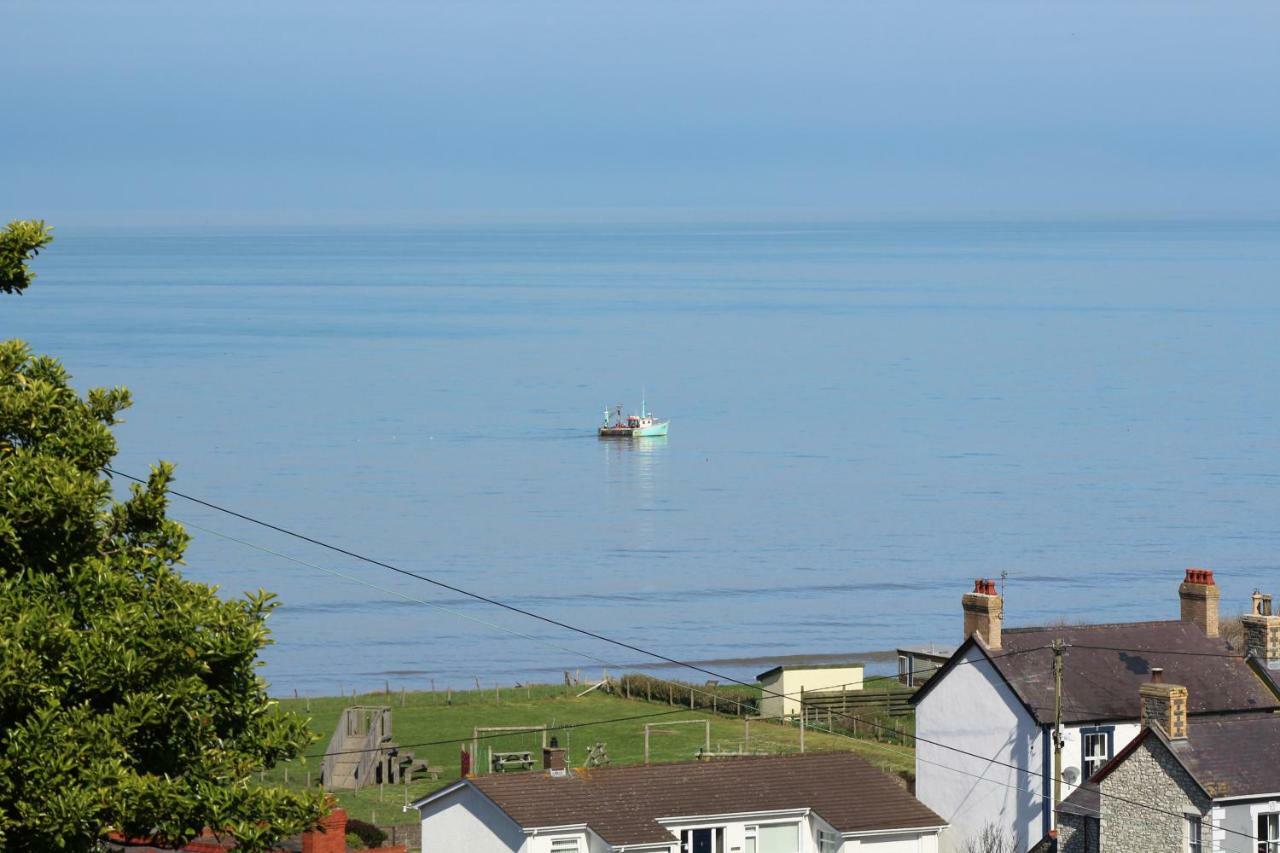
<point>1199,596</point>
<point>1165,704</point>
<point>983,612</point>
<point>1262,632</point>
<point>553,759</point>
<point>330,836</point>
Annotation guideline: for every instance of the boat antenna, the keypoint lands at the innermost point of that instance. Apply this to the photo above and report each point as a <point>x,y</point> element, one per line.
<point>642,411</point>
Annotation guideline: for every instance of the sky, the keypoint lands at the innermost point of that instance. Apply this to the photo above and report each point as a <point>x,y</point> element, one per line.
<point>291,111</point>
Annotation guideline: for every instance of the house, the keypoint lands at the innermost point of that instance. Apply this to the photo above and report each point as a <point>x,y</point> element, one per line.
<point>812,803</point>
<point>1182,785</point>
<point>984,722</point>
<point>917,664</point>
<point>783,685</point>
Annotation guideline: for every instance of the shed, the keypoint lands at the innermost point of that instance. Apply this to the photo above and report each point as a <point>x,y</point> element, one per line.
<point>917,664</point>
<point>790,681</point>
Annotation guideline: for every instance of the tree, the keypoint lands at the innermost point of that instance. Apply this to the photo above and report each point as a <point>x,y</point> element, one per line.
<point>992,838</point>
<point>20,241</point>
<point>129,695</point>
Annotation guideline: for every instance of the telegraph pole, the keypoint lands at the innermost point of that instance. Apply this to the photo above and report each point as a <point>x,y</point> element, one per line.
<point>1057,726</point>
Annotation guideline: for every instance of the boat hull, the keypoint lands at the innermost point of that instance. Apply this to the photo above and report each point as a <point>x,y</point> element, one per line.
<point>651,431</point>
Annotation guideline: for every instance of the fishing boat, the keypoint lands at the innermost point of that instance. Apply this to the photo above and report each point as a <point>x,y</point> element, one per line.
<point>643,425</point>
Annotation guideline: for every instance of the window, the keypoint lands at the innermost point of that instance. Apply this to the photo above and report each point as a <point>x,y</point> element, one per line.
<point>564,845</point>
<point>779,838</point>
<point>702,840</point>
<point>828,842</point>
<point>1095,749</point>
<point>1194,828</point>
<point>1269,833</point>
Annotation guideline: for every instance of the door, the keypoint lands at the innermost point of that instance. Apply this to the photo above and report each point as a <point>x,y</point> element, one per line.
<point>702,840</point>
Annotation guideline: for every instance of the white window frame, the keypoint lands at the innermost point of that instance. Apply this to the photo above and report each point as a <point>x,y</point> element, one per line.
<point>828,841</point>
<point>1195,834</point>
<point>1268,832</point>
<point>1096,749</point>
<point>800,844</point>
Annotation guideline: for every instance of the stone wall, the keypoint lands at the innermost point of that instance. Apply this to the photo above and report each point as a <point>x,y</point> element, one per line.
<point>1151,776</point>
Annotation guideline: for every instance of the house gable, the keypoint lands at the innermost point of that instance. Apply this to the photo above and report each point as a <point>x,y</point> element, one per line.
<point>971,726</point>
<point>1146,795</point>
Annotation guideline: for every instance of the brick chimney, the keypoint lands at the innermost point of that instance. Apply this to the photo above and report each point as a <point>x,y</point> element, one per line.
<point>983,612</point>
<point>330,836</point>
<point>1165,704</point>
<point>553,759</point>
<point>1262,632</point>
<point>1199,596</point>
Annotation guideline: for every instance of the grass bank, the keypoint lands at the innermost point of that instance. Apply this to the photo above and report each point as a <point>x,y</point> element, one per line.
<point>432,725</point>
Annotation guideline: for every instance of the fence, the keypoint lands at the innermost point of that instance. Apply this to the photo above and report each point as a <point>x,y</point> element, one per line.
<point>860,703</point>
<point>730,701</point>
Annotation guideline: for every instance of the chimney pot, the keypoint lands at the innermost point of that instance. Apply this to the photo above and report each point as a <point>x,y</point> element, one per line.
<point>1157,675</point>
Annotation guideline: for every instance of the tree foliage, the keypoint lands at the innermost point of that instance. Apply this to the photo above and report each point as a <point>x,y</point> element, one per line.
<point>20,241</point>
<point>129,696</point>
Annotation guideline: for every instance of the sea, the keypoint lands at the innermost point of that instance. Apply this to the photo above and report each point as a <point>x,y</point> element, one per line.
<point>865,417</point>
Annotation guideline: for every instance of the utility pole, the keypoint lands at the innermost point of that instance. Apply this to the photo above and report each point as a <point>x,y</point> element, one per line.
<point>1057,725</point>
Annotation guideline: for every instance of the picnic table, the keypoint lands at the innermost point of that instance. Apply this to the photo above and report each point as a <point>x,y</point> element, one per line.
<point>519,760</point>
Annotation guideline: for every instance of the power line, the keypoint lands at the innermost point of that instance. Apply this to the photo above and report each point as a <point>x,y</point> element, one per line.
<point>595,635</point>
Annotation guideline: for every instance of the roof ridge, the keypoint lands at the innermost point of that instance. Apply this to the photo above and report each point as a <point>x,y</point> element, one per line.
<point>1027,629</point>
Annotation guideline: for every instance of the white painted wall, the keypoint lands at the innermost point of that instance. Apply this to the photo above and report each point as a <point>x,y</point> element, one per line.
<point>1071,747</point>
<point>467,820</point>
<point>972,709</point>
<point>901,843</point>
<point>791,681</point>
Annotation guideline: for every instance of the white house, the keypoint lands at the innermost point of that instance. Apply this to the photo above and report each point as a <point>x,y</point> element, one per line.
<point>783,685</point>
<point>984,722</point>
<point>813,803</point>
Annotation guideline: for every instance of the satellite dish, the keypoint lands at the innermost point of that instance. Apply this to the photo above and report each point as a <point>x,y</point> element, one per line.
<point>1070,775</point>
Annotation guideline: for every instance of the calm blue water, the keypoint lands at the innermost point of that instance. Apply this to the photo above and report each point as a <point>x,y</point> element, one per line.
<point>865,417</point>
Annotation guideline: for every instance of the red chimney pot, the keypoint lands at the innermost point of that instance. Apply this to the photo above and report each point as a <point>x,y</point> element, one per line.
<point>1203,577</point>
<point>984,586</point>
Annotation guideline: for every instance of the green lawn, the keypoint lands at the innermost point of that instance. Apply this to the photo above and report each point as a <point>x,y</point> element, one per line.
<point>427,717</point>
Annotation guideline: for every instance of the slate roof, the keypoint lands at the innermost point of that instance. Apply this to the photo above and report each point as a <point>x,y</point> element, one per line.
<point>1232,756</point>
<point>1103,666</point>
<point>622,804</point>
<point>1227,756</point>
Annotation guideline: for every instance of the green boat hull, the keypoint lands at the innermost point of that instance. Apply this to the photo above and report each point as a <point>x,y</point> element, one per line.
<point>651,431</point>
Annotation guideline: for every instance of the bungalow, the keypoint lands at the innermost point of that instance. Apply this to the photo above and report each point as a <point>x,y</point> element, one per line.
<point>784,685</point>
<point>1184,785</point>
<point>813,803</point>
<point>984,722</point>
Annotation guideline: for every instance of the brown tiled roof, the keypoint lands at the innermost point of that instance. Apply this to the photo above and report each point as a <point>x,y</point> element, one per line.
<point>1103,666</point>
<point>622,804</point>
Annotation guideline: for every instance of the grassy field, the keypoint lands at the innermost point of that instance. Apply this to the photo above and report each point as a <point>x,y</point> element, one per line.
<point>424,718</point>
